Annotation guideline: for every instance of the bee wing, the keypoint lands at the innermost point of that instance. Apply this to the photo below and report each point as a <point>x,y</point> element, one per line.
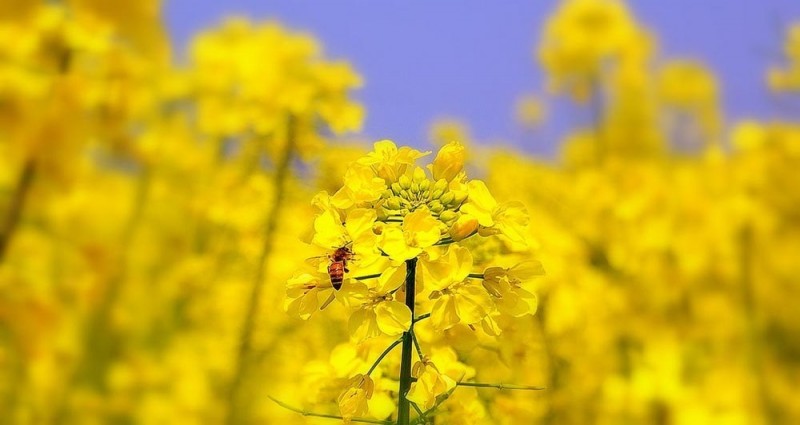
<point>316,261</point>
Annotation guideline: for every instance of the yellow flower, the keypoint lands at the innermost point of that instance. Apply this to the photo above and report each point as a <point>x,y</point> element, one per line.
<point>456,297</point>
<point>449,161</point>
<point>506,287</point>
<point>353,400</point>
<point>464,226</point>
<point>419,230</point>
<point>331,233</point>
<point>304,291</point>
<point>429,384</point>
<point>508,219</point>
<point>388,162</point>
<point>531,111</point>
<point>360,186</point>
<point>376,312</point>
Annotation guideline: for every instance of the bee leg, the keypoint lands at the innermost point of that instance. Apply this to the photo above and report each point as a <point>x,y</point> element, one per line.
<point>346,270</point>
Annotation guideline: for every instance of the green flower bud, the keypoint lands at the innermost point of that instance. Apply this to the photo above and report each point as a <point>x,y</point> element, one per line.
<point>447,198</point>
<point>425,185</point>
<point>414,187</point>
<point>435,206</point>
<point>393,203</point>
<point>448,215</point>
<point>396,188</point>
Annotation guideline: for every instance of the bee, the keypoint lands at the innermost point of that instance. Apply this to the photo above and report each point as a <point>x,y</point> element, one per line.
<point>338,266</point>
<point>337,263</point>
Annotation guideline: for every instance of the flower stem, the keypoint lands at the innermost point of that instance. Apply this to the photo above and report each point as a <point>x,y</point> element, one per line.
<point>500,386</point>
<point>416,343</point>
<point>243,356</point>
<point>385,352</point>
<point>18,200</point>
<point>323,415</point>
<point>422,317</point>
<point>403,406</point>
<point>369,276</point>
<point>476,275</point>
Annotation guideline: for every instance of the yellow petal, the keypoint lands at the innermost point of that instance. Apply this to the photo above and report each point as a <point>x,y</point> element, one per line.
<point>393,317</point>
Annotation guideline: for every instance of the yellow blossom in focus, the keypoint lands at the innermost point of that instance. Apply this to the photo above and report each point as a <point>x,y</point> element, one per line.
<point>429,384</point>
<point>508,219</point>
<point>449,162</point>
<point>389,162</point>
<point>508,287</point>
<point>418,231</point>
<point>353,400</point>
<point>376,312</point>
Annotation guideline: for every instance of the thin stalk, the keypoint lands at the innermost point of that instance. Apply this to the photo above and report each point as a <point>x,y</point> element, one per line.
<point>403,405</point>
<point>323,415</point>
<point>280,178</point>
<point>421,317</point>
<point>18,200</point>
<point>416,343</point>
<point>369,276</point>
<point>475,275</point>
<point>755,351</point>
<point>439,400</point>
<point>385,352</point>
<point>501,386</point>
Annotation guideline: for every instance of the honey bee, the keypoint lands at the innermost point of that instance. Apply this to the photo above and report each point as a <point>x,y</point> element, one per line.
<point>338,266</point>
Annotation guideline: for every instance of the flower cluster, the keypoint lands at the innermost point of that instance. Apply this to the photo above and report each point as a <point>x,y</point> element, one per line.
<point>398,223</point>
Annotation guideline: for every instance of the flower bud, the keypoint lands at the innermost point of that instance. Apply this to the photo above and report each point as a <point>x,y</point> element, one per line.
<point>396,188</point>
<point>414,187</point>
<point>424,185</point>
<point>447,198</point>
<point>404,181</point>
<point>419,175</point>
<point>435,206</point>
<point>449,161</point>
<point>393,203</point>
<point>448,216</point>
<point>465,226</point>
<point>353,400</point>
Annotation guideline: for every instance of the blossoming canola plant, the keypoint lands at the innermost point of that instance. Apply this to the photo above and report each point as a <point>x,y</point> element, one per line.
<point>136,197</point>
<point>411,233</point>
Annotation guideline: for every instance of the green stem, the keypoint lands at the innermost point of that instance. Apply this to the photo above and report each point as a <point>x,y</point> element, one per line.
<point>281,176</point>
<point>369,276</point>
<point>476,275</point>
<point>16,206</point>
<point>403,406</point>
<point>416,343</point>
<point>323,415</point>
<point>500,386</point>
<point>421,317</point>
<point>439,400</point>
<point>385,352</point>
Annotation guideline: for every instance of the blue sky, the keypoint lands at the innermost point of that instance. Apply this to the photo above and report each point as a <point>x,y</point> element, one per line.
<point>472,59</point>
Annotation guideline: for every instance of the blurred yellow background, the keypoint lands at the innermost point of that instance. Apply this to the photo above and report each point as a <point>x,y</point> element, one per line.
<point>150,215</point>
